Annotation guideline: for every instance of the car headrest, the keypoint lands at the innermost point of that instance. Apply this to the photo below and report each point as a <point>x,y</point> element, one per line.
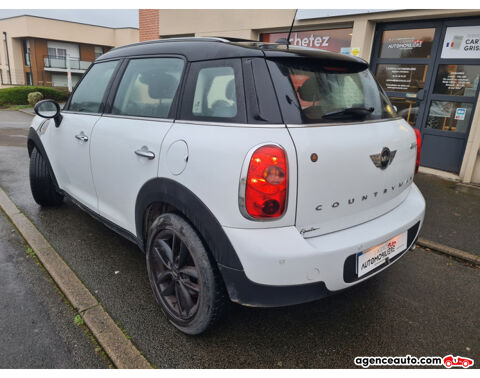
<point>230,90</point>
<point>309,90</point>
<point>160,85</point>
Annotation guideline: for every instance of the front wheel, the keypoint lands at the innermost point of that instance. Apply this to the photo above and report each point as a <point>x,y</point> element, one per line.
<point>184,279</point>
<point>41,183</point>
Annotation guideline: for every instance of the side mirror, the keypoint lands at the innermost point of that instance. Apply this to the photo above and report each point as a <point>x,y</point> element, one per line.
<point>49,109</point>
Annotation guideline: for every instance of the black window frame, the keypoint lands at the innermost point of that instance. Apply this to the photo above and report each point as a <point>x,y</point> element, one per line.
<point>188,91</point>
<point>101,108</point>
<point>120,74</point>
<point>261,98</point>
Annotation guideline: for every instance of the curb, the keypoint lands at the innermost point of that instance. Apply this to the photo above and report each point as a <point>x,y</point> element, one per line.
<point>26,112</point>
<point>119,349</point>
<point>458,253</point>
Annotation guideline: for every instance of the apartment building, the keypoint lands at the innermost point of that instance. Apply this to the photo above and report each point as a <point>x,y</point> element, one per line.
<point>41,51</point>
<point>428,62</point>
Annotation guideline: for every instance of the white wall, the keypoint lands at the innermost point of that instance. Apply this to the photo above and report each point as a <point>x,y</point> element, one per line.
<point>73,49</point>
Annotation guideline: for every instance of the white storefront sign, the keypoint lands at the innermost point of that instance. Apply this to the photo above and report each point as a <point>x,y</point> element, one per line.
<point>462,42</point>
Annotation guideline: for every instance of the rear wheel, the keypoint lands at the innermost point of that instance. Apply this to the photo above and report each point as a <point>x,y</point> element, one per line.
<point>41,183</point>
<point>185,281</point>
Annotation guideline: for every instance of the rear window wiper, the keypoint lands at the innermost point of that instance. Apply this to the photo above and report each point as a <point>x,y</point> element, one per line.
<point>349,112</point>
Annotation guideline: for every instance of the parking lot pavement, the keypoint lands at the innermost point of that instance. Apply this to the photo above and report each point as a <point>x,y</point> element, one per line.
<point>424,305</point>
<point>453,213</point>
<point>37,327</point>
<point>12,128</point>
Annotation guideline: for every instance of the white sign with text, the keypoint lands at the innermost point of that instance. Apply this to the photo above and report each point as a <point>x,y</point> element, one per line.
<point>462,42</point>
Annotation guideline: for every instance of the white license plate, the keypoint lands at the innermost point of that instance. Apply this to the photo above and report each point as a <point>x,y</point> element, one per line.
<point>376,256</point>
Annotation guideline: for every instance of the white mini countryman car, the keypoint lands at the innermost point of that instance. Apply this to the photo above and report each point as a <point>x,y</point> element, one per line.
<point>264,174</point>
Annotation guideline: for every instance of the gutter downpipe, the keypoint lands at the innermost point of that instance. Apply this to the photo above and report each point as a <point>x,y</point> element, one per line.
<point>8,58</point>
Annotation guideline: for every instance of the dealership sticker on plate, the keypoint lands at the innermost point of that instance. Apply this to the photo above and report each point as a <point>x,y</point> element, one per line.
<point>376,256</point>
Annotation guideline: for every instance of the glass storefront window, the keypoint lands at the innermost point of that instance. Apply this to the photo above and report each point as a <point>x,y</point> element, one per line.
<point>407,43</point>
<point>449,116</point>
<point>457,80</point>
<point>402,77</point>
<point>325,39</point>
<point>461,42</point>
<point>406,108</point>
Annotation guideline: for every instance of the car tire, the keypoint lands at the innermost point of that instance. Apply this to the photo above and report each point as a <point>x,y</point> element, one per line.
<point>184,278</point>
<point>42,186</point>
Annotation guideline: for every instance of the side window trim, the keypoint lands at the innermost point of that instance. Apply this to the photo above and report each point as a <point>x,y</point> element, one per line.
<point>121,72</point>
<point>186,113</point>
<point>66,107</point>
<point>261,98</point>
<point>114,87</point>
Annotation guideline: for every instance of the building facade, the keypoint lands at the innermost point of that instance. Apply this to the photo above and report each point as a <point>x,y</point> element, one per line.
<point>428,62</point>
<point>41,51</point>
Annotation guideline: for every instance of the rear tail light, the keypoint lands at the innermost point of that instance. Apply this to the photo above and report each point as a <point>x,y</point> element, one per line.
<point>264,184</point>
<point>419,149</point>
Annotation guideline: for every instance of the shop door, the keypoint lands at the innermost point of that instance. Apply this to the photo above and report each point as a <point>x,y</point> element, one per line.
<point>431,72</point>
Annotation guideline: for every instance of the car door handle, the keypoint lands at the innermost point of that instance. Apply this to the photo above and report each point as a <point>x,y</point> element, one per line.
<point>82,137</point>
<point>144,152</point>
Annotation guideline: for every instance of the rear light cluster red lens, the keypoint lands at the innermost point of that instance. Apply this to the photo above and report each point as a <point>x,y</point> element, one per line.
<point>419,149</point>
<point>267,182</point>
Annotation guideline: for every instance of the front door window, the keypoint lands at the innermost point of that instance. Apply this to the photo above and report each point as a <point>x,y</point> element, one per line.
<point>449,116</point>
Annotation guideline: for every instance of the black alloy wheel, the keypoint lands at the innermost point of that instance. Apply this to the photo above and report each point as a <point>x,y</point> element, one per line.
<point>176,275</point>
<point>184,277</point>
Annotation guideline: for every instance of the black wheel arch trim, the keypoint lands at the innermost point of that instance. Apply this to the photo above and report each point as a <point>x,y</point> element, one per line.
<point>170,192</point>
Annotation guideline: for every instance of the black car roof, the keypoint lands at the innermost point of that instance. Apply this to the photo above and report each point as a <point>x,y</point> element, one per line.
<point>196,49</point>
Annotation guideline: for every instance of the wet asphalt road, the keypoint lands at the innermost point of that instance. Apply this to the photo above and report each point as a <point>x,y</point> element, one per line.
<point>37,327</point>
<point>453,216</point>
<point>424,305</point>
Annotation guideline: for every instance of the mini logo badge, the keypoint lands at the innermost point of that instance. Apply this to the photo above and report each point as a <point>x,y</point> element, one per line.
<point>384,158</point>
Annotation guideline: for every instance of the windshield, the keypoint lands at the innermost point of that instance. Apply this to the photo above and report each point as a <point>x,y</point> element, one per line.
<point>334,94</point>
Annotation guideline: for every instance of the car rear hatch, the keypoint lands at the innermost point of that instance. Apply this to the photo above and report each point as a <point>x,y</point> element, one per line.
<point>355,157</point>
<point>343,187</point>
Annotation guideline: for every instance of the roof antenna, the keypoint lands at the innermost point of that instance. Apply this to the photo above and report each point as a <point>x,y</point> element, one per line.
<point>291,27</point>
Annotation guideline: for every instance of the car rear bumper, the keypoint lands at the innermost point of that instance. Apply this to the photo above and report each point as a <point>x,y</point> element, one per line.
<point>283,268</point>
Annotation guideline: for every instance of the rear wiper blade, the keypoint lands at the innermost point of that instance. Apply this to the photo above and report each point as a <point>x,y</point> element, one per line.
<point>349,112</point>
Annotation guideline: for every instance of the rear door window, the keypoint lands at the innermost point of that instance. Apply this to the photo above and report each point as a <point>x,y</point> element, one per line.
<point>88,96</point>
<point>214,92</point>
<point>148,87</point>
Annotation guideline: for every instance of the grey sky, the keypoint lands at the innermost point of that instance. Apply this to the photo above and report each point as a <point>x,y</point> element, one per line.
<point>129,17</point>
<point>115,18</point>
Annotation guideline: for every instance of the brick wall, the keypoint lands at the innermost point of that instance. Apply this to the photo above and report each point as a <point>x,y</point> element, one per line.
<point>38,50</point>
<point>149,24</point>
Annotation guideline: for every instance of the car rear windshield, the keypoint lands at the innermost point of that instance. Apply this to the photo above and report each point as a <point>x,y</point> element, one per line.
<point>325,94</point>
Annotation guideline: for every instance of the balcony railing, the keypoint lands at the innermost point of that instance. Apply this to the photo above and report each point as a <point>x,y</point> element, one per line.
<point>53,61</point>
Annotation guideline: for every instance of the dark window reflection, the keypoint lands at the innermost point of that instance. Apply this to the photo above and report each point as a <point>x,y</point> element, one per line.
<point>457,80</point>
<point>411,43</point>
<point>449,116</point>
<point>402,77</point>
<point>406,108</point>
